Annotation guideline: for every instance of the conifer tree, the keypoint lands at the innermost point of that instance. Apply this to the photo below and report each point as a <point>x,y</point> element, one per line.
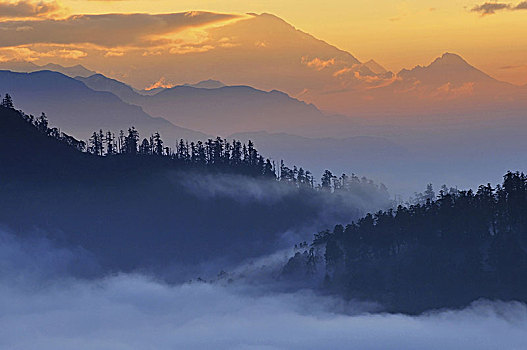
<point>7,102</point>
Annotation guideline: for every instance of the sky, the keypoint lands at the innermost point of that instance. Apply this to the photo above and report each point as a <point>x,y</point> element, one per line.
<point>397,34</point>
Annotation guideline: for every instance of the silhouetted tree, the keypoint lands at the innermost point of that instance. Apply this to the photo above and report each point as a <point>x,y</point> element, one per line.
<point>131,141</point>
<point>326,180</point>
<point>158,144</point>
<point>7,102</point>
<point>111,146</point>
<point>42,123</point>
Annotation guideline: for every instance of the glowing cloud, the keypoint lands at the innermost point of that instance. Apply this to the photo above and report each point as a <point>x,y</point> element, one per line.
<point>318,63</point>
<point>161,83</point>
<point>111,30</point>
<point>26,8</point>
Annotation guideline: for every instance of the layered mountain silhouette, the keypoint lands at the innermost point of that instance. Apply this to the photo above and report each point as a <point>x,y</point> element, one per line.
<point>267,53</point>
<point>375,67</point>
<point>29,67</point>
<point>99,82</point>
<point>80,110</point>
<point>207,84</point>
<point>260,50</point>
<point>213,108</point>
<point>447,85</point>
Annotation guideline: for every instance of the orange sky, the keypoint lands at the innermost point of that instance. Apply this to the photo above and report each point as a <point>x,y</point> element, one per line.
<point>397,34</point>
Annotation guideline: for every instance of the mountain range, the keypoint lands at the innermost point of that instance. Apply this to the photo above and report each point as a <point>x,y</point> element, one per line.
<point>29,67</point>
<point>216,109</point>
<point>79,110</point>
<point>447,85</point>
<point>267,53</point>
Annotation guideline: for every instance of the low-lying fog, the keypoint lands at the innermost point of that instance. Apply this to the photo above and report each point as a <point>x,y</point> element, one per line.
<point>45,305</point>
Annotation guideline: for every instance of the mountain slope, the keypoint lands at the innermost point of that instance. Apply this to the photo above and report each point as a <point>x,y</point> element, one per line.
<point>449,68</point>
<point>207,84</point>
<point>259,50</point>
<point>79,110</point>
<point>99,82</point>
<point>72,71</point>
<point>375,67</point>
<point>448,84</point>
<point>372,156</point>
<point>232,109</point>
<point>29,67</point>
<point>219,110</point>
<point>35,155</point>
<point>150,212</point>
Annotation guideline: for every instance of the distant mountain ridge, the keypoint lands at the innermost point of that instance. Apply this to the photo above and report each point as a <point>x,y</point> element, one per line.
<point>216,109</point>
<point>375,67</point>
<point>29,67</point>
<point>449,84</point>
<point>207,84</point>
<point>449,68</point>
<point>265,52</point>
<point>79,110</point>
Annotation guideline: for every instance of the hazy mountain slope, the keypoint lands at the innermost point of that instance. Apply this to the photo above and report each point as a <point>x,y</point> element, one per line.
<point>215,109</point>
<point>396,148</point>
<point>449,68</point>
<point>359,154</point>
<point>156,212</point>
<point>447,85</point>
<point>259,50</point>
<point>232,109</point>
<point>79,110</point>
<point>99,82</point>
<point>72,71</point>
<point>265,52</point>
<point>375,67</point>
<point>207,84</point>
<point>28,67</point>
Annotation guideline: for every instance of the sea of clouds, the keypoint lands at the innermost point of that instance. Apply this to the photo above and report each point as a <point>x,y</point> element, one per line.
<point>44,304</point>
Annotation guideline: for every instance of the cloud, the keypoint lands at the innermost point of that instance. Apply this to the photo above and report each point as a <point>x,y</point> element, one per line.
<point>26,8</point>
<point>45,307</point>
<point>109,30</point>
<point>114,54</point>
<point>161,83</point>
<point>36,53</point>
<point>343,71</point>
<point>18,54</point>
<point>184,48</point>
<point>245,191</point>
<point>490,8</point>
<point>136,312</point>
<point>448,91</point>
<point>318,63</point>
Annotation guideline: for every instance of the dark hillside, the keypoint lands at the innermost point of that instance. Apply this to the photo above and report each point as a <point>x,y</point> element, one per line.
<point>136,211</point>
<point>442,252</point>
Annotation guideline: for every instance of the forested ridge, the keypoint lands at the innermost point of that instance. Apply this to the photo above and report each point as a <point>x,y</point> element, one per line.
<point>136,207</point>
<point>214,154</point>
<point>447,251</point>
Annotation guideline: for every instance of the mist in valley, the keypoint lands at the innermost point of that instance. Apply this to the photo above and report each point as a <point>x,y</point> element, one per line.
<point>46,305</point>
